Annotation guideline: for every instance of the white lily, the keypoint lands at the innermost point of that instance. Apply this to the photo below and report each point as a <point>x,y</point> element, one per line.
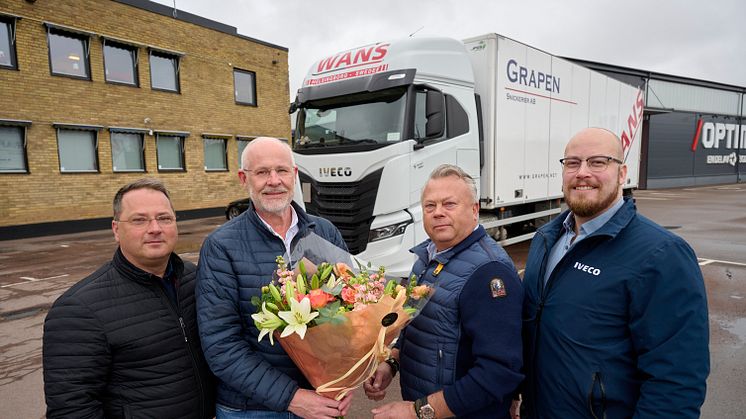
<point>298,317</point>
<point>266,322</point>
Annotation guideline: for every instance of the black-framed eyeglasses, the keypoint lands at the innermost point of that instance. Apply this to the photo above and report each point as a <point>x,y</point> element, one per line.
<point>162,220</point>
<point>594,163</point>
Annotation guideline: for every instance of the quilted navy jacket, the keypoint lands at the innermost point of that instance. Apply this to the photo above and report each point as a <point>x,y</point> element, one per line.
<point>236,260</point>
<point>620,329</point>
<point>467,339</point>
<point>115,346</point>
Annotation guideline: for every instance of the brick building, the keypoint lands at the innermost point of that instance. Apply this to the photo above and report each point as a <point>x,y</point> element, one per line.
<point>98,93</point>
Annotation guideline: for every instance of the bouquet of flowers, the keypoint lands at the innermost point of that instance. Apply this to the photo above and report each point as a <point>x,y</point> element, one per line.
<point>334,321</point>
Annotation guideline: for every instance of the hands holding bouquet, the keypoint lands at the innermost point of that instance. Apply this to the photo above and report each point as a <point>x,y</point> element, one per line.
<point>335,323</point>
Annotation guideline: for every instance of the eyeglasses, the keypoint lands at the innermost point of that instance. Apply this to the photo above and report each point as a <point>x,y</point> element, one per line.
<point>595,163</point>
<point>162,220</point>
<point>263,173</point>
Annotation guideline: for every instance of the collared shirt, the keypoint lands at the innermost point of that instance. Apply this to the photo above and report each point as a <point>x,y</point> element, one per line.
<point>432,251</point>
<point>292,231</point>
<point>568,239</point>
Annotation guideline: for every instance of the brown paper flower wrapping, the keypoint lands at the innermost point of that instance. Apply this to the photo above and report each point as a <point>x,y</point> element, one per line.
<point>330,351</point>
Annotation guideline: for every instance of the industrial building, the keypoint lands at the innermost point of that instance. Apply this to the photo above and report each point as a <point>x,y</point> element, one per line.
<point>693,131</point>
<point>98,93</point>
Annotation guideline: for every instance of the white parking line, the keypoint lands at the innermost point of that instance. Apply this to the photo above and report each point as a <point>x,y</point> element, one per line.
<point>703,262</point>
<point>706,262</point>
<point>29,280</point>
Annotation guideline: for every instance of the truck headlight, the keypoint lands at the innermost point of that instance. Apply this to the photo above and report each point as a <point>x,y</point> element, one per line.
<point>388,231</point>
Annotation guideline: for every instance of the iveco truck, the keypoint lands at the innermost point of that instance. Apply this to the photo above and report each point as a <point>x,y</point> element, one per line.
<point>374,121</point>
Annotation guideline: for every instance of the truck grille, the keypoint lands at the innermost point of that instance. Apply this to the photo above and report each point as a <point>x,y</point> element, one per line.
<point>349,206</point>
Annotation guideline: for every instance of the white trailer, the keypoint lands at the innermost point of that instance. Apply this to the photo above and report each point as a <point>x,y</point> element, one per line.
<point>374,122</point>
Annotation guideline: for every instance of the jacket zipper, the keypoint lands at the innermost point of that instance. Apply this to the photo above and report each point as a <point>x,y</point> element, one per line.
<point>543,293</point>
<point>597,377</point>
<point>177,310</point>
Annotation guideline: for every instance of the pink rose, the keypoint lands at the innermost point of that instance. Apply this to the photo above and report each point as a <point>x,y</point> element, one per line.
<point>348,295</point>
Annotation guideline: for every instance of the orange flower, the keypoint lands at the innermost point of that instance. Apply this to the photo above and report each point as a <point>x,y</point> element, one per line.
<point>420,291</point>
<point>348,295</point>
<point>341,270</point>
<point>319,298</point>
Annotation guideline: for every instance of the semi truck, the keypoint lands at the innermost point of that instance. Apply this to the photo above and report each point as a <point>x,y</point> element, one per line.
<point>373,122</point>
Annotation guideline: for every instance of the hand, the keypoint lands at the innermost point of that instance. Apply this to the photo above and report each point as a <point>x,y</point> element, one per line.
<point>345,403</point>
<point>375,387</point>
<point>309,404</point>
<point>395,410</point>
<point>515,409</point>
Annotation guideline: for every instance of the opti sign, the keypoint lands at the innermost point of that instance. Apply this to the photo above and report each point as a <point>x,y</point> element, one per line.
<point>714,135</point>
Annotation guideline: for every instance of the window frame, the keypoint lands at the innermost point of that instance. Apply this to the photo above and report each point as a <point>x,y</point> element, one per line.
<point>86,128</point>
<point>11,22</point>
<point>224,139</point>
<point>182,136</point>
<point>135,61</point>
<point>23,125</point>
<point>177,69</point>
<point>83,37</point>
<point>255,103</point>
<point>239,139</point>
<point>141,133</point>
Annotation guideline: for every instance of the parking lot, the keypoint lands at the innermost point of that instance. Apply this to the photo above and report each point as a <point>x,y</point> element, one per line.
<point>34,272</point>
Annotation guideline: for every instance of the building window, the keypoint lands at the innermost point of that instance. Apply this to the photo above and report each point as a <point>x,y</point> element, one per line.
<point>68,54</point>
<point>127,152</point>
<point>120,63</point>
<point>170,149</point>
<point>77,150</point>
<point>215,154</point>
<point>13,157</point>
<point>244,83</point>
<point>242,143</point>
<point>164,71</point>
<point>8,42</point>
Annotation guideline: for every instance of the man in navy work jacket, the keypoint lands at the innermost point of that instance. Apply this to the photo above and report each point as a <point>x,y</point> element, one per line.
<point>256,378</point>
<point>123,342</point>
<point>462,355</point>
<point>615,315</point>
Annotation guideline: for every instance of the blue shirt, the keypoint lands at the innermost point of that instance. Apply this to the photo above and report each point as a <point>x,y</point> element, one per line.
<point>566,242</point>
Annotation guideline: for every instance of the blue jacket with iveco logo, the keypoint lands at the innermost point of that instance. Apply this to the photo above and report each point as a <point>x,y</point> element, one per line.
<point>620,329</point>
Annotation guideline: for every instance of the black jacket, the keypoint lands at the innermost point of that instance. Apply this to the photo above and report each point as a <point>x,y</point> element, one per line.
<point>115,346</point>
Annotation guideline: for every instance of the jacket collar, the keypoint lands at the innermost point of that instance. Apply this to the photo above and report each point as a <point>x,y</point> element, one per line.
<point>421,249</point>
<point>132,272</point>
<point>552,231</point>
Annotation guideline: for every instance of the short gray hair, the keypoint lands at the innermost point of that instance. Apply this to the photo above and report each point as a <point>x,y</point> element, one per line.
<point>144,183</point>
<point>247,150</point>
<point>446,170</point>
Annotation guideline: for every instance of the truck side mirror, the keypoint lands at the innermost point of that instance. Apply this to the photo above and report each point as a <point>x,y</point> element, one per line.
<point>435,124</point>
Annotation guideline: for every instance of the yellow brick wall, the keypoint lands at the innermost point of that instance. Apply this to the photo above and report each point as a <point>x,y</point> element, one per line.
<point>205,105</point>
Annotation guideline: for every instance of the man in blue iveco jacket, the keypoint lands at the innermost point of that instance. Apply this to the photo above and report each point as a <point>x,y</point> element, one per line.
<point>462,355</point>
<point>615,315</point>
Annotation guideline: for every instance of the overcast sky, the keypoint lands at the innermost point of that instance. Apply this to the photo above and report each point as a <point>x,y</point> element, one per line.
<point>691,38</point>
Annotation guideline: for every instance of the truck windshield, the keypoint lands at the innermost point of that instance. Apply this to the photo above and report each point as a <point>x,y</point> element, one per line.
<point>372,120</point>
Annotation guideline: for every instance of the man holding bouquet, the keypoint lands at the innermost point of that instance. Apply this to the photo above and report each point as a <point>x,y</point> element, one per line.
<point>256,379</point>
<point>462,355</point>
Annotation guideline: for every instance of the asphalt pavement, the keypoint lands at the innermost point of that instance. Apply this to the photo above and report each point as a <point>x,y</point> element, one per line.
<point>35,271</point>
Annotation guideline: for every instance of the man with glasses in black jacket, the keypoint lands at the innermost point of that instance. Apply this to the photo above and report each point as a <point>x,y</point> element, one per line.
<point>123,342</point>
